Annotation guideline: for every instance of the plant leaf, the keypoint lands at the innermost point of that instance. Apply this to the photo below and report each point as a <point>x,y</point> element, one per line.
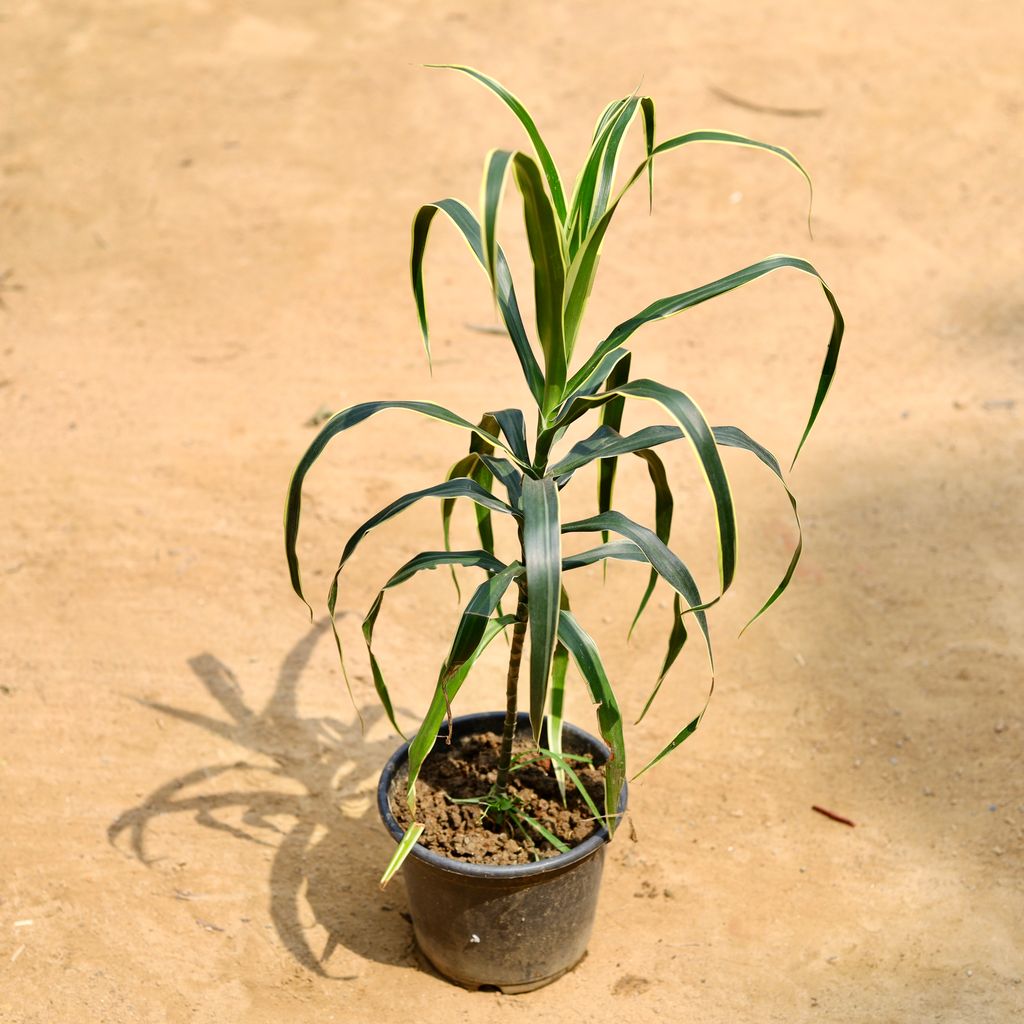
<point>404,848</point>
<point>424,560</point>
<point>427,734</point>
<point>685,300</point>
<point>462,217</point>
<point>509,476</point>
<point>475,617</point>
<point>545,242</point>
<point>339,422</point>
<point>625,550</point>
<point>663,506</point>
<point>610,415</point>
<point>606,443</point>
<point>542,550</point>
<point>556,712</point>
<point>733,437</point>
<point>496,165</point>
<point>513,426</point>
<point>676,640</point>
<point>667,563</point>
<point>696,430</point>
<point>609,719</point>
<point>517,108</point>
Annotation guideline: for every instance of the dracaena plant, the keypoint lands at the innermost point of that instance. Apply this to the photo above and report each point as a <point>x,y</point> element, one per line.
<point>504,475</point>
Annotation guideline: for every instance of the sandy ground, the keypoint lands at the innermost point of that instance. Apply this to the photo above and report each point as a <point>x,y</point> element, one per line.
<point>205,217</point>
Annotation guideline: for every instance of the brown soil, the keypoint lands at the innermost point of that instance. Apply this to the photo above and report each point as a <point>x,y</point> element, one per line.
<point>467,770</point>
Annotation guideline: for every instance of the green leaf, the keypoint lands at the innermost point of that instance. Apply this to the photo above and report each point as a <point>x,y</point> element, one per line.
<point>625,550</point>
<point>461,487</point>
<point>586,182</point>
<point>339,422</point>
<point>697,432</point>
<point>610,416</point>
<point>517,108</point>
<point>513,426</point>
<point>676,640</point>
<point>683,734</point>
<point>509,476</point>
<point>556,712</point>
<point>674,304</point>
<point>733,437</point>
<point>404,848</point>
<point>663,506</point>
<point>492,189</point>
<point>545,242</point>
<point>606,443</point>
<point>473,623</point>
<point>542,550</point>
<point>462,217</point>
<point>609,719</point>
<point>561,763</point>
<point>424,560</point>
<point>667,563</point>
<point>647,106</point>
<point>444,693</point>
<point>583,267</point>
<point>543,832</point>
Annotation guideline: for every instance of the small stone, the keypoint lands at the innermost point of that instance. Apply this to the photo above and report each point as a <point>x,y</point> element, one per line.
<point>894,760</point>
<point>736,197</point>
<point>998,851</point>
<point>999,727</point>
<point>969,973</point>
<point>928,791</point>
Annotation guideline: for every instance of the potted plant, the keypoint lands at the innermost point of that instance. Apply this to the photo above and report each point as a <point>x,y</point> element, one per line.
<point>525,781</point>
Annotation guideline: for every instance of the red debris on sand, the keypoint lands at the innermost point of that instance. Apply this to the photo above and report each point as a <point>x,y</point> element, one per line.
<point>833,816</point>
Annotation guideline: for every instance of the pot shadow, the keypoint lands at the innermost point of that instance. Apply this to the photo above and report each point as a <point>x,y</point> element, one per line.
<point>332,856</point>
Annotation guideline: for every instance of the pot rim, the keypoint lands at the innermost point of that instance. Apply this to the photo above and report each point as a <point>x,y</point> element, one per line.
<point>479,722</point>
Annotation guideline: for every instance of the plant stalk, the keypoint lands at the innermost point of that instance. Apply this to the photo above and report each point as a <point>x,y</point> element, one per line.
<point>512,694</point>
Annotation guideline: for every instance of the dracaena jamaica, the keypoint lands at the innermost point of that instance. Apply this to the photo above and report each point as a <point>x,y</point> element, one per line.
<point>505,476</point>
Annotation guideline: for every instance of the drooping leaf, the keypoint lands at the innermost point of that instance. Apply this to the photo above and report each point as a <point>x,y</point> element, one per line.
<point>625,550</point>
<point>583,266</point>
<point>542,550</point>
<point>423,561</point>
<point>444,693</point>
<point>685,300</point>
<point>462,217</point>
<point>663,506</point>
<point>341,421</point>
<point>517,108</point>
<point>668,565</point>
<point>510,477</point>
<point>513,426</point>
<point>733,437</point>
<point>402,851</point>
<point>610,416</point>
<point>475,617</point>
<point>609,719</point>
<point>606,443</point>
<point>697,432</point>
<point>676,640</point>
<point>458,488</point>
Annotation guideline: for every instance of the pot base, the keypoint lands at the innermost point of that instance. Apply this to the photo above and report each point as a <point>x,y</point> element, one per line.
<point>513,988</point>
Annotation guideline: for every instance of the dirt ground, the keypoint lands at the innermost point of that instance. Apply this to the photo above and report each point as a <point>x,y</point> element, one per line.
<point>205,225</point>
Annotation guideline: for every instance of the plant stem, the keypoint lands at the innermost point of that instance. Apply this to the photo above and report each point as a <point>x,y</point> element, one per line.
<point>512,694</point>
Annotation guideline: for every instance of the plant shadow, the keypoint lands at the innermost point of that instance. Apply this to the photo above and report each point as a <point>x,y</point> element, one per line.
<point>332,855</point>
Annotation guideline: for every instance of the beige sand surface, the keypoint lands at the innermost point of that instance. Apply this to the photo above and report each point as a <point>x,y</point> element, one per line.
<point>205,213</point>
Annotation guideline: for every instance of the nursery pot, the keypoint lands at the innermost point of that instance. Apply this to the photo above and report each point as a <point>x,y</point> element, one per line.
<point>511,927</point>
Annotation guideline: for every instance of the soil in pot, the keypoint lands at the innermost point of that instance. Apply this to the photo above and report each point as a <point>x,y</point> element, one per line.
<point>467,769</point>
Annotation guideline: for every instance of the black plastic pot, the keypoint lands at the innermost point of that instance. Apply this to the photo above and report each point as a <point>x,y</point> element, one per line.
<point>514,927</point>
